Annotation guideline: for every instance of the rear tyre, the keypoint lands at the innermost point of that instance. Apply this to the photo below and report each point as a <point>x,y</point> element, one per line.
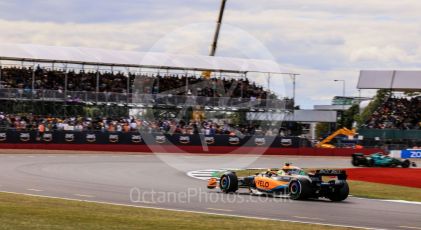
<point>299,189</point>
<point>228,182</point>
<point>339,194</point>
<point>406,163</point>
<point>355,162</point>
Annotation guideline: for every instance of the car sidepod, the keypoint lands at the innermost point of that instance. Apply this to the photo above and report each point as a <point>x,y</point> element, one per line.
<point>271,184</point>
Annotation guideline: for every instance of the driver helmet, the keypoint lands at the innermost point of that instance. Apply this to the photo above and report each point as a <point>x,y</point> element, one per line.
<point>288,167</point>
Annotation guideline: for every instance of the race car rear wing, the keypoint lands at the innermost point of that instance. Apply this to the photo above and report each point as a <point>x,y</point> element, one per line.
<point>341,174</point>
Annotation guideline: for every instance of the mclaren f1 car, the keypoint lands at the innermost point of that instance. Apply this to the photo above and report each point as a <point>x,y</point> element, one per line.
<point>380,160</point>
<point>290,180</point>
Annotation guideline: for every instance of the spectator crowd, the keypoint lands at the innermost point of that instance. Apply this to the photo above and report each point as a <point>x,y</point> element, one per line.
<point>397,113</point>
<point>21,78</point>
<point>127,124</point>
<point>117,84</point>
<point>44,79</point>
<point>198,86</point>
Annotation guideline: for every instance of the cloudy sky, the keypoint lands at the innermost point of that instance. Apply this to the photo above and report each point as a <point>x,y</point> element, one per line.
<point>322,40</point>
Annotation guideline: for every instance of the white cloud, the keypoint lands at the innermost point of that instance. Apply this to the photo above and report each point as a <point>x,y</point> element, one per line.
<point>387,53</point>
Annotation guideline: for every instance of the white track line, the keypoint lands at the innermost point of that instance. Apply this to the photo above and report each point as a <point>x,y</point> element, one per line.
<point>403,201</point>
<point>409,227</point>
<point>218,209</point>
<point>196,212</point>
<point>204,174</point>
<point>145,202</point>
<point>84,195</point>
<point>34,190</point>
<point>307,218</point>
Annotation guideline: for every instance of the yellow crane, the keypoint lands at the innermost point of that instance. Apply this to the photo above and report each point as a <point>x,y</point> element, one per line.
<point>344,131</point>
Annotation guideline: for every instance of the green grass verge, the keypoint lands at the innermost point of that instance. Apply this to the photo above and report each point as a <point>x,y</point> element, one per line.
<point>28,212</point>
<point>368,189</point>
<point>384,191</point>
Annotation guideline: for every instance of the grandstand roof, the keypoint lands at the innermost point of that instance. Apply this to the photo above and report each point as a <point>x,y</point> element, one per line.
<point>297,115</point>
<point>389,79</point>
<point>93,56</point>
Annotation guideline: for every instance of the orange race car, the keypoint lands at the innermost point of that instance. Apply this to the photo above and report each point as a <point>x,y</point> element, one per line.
<point>289,180</point>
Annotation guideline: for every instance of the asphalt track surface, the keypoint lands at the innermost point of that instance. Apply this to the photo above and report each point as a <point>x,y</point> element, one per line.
<point>161,182</point>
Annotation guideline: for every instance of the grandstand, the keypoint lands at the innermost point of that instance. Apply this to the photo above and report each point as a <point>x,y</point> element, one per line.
<point>70,75</point>
<point>395,118</point>
<point>82,89</point>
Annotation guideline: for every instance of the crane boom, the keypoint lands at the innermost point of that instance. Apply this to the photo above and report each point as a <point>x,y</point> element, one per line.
<point>343,131</point>
<point>218,28</point>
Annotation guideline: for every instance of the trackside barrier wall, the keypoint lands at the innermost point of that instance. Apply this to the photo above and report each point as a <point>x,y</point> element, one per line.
<point>411,153</point>
<point>146,142</point>
<point>136,138</point>
<point>243,150</point>
<point>408,153</point>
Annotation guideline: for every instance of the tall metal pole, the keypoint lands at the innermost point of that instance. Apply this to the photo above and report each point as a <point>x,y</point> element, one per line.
<point>218,28</point>
<point>157,83</point>
<point>294,84</point>
<point>97,82</point>
<point>33,78</point>
<point>187,81</point>
<point>343,97</point>
<point>128,80</point>
<point>66,81</point>
<point>1,86</point>
<point>128,85</point>
<point>343,87</point>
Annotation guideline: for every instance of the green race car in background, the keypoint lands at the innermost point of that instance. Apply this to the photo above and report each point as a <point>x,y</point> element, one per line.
<point>379,160</point>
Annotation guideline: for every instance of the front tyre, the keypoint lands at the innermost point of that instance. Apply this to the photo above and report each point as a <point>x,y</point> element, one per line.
<point>228,182</point>
<point>339,194</point>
